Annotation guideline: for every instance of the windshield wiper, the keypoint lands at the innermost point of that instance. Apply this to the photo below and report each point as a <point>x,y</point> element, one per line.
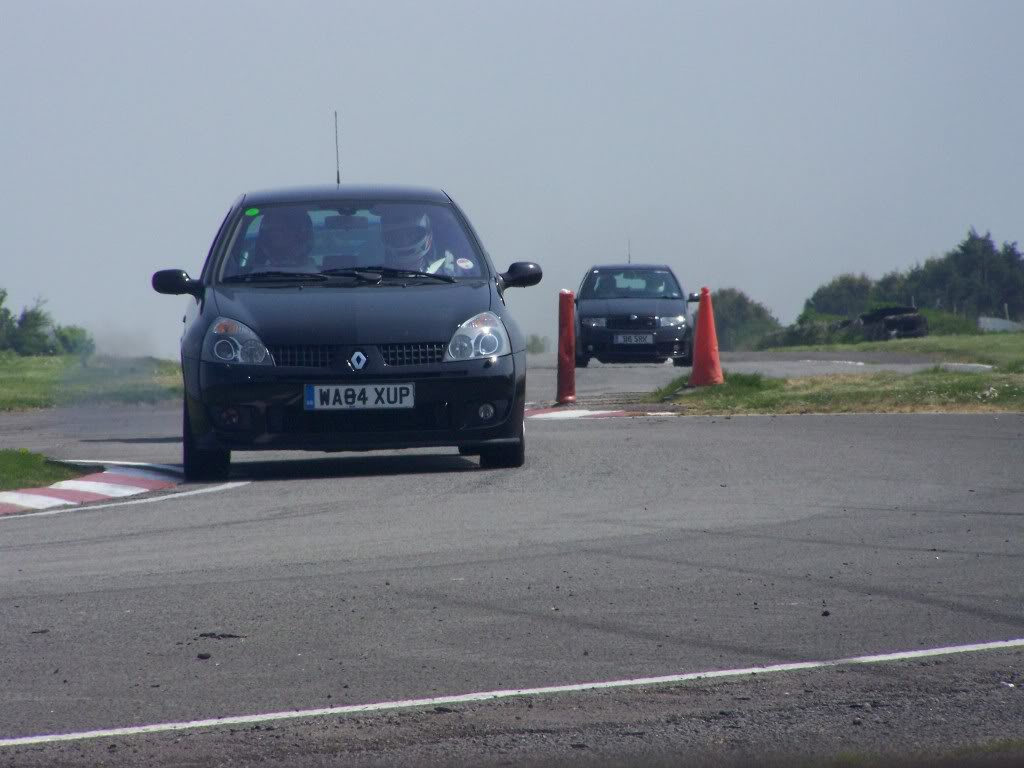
<point>272,275</point>
<point>364,275</point>
<point>392,272</point>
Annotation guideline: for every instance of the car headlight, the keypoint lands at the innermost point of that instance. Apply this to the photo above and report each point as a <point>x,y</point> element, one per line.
<point>672,322</point>
<point>481,336</point>
<point>229,341</point>
<point>594,322</point>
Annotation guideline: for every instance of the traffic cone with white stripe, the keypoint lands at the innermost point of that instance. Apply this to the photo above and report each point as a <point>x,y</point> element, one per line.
<point>707,368</point>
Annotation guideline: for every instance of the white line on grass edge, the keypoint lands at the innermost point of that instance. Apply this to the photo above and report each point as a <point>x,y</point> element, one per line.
<point>466,698</point>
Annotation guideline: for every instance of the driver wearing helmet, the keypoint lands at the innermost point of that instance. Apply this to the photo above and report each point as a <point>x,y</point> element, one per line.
<point>410,243</point>
<point>285,239</point>
<point>408,240</point>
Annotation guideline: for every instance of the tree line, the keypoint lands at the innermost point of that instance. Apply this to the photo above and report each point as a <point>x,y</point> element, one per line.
<point>976,278</point>
<point>33,332</point>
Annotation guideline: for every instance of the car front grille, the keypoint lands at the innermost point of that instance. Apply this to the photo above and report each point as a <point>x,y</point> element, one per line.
<point>413,354</point>
<point>630,322</point>
<point>304,355</point>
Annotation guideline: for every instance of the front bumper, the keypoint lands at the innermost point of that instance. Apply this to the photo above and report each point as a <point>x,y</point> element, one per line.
<point>262,408</point>
<point>600,343</point>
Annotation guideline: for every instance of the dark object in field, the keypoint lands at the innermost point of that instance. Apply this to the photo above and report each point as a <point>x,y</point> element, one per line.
<point>893,323</point>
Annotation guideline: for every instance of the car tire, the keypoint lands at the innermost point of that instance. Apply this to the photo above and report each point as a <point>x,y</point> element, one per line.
<point>505,456</point>
<point>201,464</point>
<point>582,362</point>
<point>687,360</point>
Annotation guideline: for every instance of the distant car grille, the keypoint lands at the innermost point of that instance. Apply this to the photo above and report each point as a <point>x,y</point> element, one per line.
<point>304,355</point>
<point>628,323</point>
<point>413,354</point>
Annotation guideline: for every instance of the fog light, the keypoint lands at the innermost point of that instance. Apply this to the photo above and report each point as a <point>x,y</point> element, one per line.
<point>486,412</point>
<point>229,417</point>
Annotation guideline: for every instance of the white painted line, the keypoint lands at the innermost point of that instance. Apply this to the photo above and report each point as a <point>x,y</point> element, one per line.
<point>966,366</point>
<point>466,698</point>
<point>31,500</point>
<point>104,489</point>
<point>147,500</point>
<point>573,414</point>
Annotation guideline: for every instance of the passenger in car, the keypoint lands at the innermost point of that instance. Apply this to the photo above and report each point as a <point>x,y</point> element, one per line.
<point>285,240</point>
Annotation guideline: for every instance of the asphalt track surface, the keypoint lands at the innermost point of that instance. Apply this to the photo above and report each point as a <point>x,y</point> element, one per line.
<point>625,548</point>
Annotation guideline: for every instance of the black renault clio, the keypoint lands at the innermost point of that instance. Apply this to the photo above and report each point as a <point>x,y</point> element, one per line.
<point>349,319</point>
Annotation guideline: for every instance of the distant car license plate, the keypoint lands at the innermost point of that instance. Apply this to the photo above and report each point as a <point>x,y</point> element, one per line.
<point>634,338</point>
<point>359,396</point>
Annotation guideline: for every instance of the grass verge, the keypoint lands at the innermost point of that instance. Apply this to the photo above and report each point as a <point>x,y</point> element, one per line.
<point>1004,350</point>
<point>42,382</point>
<point>23,469</point>
<point>930,390</point>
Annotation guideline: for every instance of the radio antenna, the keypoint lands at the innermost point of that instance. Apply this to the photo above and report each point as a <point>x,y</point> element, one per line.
<point>629,251</point>
<point>337,153</point>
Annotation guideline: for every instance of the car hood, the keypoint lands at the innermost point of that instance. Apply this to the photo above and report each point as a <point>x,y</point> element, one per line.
<point>354,315</point>
<point>639,307</point>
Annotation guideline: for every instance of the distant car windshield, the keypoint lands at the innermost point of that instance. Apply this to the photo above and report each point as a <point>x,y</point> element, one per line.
<point>342,235</point>
<point>630,284</point>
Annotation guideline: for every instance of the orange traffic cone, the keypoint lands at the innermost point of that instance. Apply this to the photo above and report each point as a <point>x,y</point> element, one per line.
<point>707,368</point>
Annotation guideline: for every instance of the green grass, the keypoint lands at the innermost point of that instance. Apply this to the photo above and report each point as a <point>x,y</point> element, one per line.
<point>22,469</point>
<point>930,390</point>
<point>42,382</point>
<point>1004,350</point>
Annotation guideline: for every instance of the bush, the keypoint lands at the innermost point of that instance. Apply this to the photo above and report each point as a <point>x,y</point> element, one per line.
<point>740,322</point>
<point>34,332</point>
<point>74,340</point>
<point>947,324</point>
<point>7,325</point>
<point>537,345</point>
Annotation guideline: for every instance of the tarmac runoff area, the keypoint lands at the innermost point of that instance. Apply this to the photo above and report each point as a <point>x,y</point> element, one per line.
<point>469,698</point>
<point>643,587</point>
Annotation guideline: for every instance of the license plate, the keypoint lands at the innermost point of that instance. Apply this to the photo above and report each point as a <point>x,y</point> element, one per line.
<point>634,338</point>
<point>355,397</point>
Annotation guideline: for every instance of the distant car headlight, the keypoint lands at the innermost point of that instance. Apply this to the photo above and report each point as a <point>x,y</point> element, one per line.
<point>672,322</point>
<point>483,335</point>
<point>229,341</point>
<point>594,322</point>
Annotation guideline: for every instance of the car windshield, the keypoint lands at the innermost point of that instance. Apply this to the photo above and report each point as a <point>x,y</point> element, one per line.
<point>334,236</point>
<point>630,284</point>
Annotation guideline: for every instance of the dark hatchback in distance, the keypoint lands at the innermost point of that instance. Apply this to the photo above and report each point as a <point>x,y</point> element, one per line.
<point>349,319</point>
<point>633,313</point>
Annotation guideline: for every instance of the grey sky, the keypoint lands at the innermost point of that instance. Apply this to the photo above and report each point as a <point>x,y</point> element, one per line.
<point>762,145</point>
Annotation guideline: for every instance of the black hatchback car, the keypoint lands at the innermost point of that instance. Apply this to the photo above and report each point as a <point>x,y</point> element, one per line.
<point>633,313</point>
<point>349,319</point>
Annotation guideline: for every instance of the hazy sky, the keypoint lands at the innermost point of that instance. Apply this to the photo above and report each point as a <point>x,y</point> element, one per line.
<point>763,145</point>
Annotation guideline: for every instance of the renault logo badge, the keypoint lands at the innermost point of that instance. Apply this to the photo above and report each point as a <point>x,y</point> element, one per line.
<point>358,360</point>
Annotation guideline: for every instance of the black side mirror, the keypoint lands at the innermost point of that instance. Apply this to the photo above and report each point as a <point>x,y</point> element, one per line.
<point>693,298</point>
<point>176,282</point>
<point>522,274</point>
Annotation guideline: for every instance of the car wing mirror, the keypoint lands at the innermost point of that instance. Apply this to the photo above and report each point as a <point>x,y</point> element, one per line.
<point>522,274</point>
<point>176,282</point>
<point>693,298</point>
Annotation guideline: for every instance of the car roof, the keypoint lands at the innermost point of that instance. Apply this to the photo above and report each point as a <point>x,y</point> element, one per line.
<point>630,266</point>
<point>345,192</point>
